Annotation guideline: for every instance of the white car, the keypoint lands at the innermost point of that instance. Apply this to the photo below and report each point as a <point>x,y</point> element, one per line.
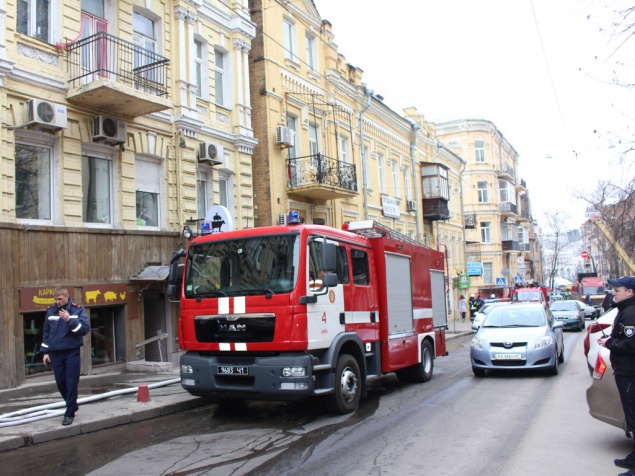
<point>482,313</point>
<point>600,327</point>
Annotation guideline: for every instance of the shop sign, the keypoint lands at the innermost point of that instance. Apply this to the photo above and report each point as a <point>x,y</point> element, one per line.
<point>39,298</point>
<point>474,268</point>
<point>464,281</point>
<point>390,207</point>
<point>109,293</point>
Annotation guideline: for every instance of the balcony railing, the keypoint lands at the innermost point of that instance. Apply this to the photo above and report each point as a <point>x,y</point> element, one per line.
<point>508,207</point>
<point>104,56</point>
<point>323,171</point>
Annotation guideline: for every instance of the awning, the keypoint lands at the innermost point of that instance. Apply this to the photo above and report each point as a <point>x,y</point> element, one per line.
<point>152,273</point>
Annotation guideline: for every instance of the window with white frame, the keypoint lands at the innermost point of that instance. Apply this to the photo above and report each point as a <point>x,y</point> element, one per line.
<point>488,273</point>
<point>35,18</point>
<point>344,154</point>
<point>381,165</point>
<point>311,53</point>
<point>507,193</point>
<point>395,179</point>
<point>483,194</point>
<point>406,183</point>
<point>292,123</point>
<point>145,38</point>
<point>224,195</point>
<point>313,145</point>
<point>148,191</point>
<point>201,72</point>
<point>365,166</point>
<point>33,180</point>
<point>290,42</point>
<point>202,194</point>
<point>221,77</point>
<point>479,150</point>
<point>97,189</point>
<point>486,232</point>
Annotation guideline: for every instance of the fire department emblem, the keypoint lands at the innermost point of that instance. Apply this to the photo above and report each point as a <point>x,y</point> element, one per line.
<point>332,296</point>
<point>629,331</point>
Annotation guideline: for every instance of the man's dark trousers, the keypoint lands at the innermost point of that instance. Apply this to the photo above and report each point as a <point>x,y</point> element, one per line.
<point>66,367</point>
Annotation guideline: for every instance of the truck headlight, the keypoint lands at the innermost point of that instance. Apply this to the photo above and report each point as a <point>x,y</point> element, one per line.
<point>294,372</point>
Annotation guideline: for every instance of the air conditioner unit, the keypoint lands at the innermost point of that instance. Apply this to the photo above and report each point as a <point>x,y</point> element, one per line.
<point>285,136</point>
<point>109,130</point>
<point>210,154</point>
<point>46,114</point>
<point>412,206</point>
<point>282,219</point>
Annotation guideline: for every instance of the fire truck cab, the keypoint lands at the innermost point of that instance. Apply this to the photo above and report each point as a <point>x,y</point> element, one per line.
<point>290,312</point>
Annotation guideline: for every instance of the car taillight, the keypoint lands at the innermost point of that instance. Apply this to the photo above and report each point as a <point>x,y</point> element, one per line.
<point>597,327</point>
<point>587,345</point>
<point>600,368</point>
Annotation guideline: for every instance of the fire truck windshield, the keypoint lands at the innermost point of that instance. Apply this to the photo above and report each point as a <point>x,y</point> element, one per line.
<point>247,266</point>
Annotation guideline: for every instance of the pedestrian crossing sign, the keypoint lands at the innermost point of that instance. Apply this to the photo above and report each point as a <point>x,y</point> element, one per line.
<point>518,279</point>
<point>501,281</point>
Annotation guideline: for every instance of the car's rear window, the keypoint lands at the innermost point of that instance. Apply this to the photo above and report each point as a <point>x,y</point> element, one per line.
<point>564,306</point>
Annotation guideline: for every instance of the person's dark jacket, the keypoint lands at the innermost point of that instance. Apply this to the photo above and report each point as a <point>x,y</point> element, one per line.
<point>622,340</point>
<point>59,335</point>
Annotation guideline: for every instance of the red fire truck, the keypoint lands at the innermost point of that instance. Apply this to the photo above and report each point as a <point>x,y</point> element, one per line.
<point>288,312</point>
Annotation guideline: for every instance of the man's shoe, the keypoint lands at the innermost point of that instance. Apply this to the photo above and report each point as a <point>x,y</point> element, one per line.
<point>630,472</point>
<point>628,462</point>
<point>67,420</point>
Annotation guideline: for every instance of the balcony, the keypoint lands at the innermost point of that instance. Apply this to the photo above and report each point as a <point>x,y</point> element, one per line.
<point>506,172</point>
<point>321,177</point>
<point>508,209</point>
<point>510,245</point>
<point>435,209</point>
<point>521,186</point>
<point>117,77</point>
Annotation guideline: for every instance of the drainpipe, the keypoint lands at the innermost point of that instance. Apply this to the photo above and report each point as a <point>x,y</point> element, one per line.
<point>369,94</point>
<point>413,145</point>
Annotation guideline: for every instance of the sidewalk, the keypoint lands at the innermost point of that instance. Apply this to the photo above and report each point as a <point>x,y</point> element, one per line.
<point>458,328</point>
<point>92,415</point>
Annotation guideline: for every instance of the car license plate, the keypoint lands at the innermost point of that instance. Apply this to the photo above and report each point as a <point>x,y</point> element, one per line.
<point>506,356</point>
<point>232,370</point>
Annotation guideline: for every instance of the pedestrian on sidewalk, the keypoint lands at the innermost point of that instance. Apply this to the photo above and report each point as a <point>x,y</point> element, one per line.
<point>621,343</point>
<point>462,307</point>
<point>473,305</point>
<point>65,326</point>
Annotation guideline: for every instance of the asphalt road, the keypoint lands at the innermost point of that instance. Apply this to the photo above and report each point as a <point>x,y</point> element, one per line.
<point>505,424</point>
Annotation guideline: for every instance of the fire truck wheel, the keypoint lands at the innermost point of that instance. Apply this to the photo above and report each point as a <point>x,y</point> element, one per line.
<point>421,372</point>
<point>345,398</point>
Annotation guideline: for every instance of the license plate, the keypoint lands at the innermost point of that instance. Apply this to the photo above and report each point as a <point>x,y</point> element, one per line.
<point>506,356</point>
<point>232,370</point>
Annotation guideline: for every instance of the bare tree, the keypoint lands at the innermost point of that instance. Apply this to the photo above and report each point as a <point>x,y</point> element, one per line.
<point>555,240</point>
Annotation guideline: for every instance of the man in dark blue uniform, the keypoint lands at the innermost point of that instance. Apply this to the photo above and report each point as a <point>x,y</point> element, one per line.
<point>621,343</point>
<point>65,326</point>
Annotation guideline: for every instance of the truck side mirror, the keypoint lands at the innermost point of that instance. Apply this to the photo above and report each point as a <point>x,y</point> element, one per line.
<point>329,257</point>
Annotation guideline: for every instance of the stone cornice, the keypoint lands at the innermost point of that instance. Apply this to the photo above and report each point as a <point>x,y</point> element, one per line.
<point>39,80</point>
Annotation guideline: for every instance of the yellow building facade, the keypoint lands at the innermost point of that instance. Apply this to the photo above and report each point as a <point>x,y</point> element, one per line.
<point>122,121</point>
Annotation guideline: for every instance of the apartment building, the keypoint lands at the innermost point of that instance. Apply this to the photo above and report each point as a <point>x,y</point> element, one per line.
<point>496,205</point>
<point>122,122</point>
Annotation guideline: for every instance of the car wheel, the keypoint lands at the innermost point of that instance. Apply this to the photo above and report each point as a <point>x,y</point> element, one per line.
<point>478,372</point>
<point>554,369</point>
<point>348,381</point>
<point>561,356</point>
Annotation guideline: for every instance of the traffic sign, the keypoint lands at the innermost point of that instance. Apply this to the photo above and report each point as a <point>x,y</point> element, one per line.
<point>585,254</point>
<point>501,281</point>
<point>518,279</point>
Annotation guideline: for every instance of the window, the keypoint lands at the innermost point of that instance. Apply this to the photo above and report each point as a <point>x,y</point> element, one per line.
<point>359,260</point>
<point>223,188</point>
<point>97,190</point>
<point>144,37</point>
<point>406,183</point>
<point>290,49</point>
<point>292,124</point>
<point>202,187</point>
<point>148,191</point>
<point>342,265</point>
<point>365,166</point>
<point>488,273</point>
<point>34,18</point>
<point>220,77</point>
<point>395,179</point>
<point>344,149</point>
<point>200,73</point>
<point>33,182</point>
<point>311,57</point>
<point>483,195</point>
<point>507,193</point>
<point>486,232</point>
<point>380,170</point>
<point>313,145</point>
<point>479,149</point>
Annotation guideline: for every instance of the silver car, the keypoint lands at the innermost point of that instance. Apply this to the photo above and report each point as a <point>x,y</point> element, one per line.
<point>518,336</point>
<point>571,313</point>
<point>603,397</point>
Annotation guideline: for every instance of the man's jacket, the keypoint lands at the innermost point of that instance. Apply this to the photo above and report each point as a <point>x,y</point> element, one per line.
<point>60,335</point>
<point>622,341</point>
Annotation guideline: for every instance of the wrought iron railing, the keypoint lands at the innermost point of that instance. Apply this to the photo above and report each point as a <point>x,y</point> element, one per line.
<point>321,170</point>
<point>104,56</point>
<point>508,207</point>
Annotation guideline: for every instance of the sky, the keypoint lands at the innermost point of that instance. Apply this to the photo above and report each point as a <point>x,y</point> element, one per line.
<point>540,70</point>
